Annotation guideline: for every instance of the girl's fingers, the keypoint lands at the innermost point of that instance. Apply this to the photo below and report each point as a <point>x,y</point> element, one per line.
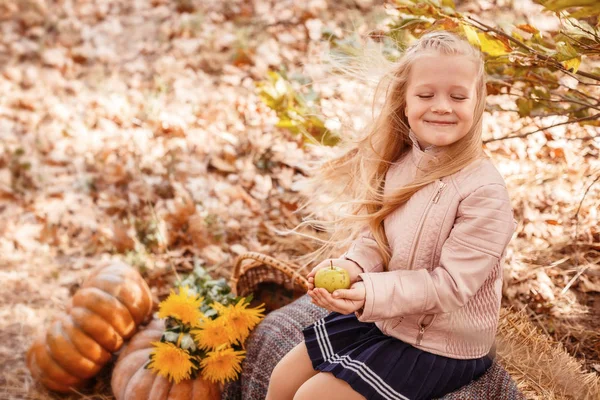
<point>318,296</point>
<point>326,298</point>
<point>349,294</point>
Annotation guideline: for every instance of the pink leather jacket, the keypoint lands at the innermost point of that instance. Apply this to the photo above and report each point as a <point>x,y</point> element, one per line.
<point>443,289</point>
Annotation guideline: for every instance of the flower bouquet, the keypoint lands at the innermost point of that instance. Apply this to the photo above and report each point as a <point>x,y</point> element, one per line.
<point>205,330</point>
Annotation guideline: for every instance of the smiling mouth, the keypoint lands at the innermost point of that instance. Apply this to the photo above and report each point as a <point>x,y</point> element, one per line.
<point>440,123</point>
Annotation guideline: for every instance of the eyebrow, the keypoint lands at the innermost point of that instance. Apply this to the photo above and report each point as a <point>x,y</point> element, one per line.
<point>427,86</point>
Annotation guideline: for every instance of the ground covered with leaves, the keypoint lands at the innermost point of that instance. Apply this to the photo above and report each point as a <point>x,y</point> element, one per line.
<point>136,130</point>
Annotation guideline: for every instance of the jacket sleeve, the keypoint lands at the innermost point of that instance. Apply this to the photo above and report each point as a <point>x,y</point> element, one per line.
<point>483,228</point>
<point>364,252</point>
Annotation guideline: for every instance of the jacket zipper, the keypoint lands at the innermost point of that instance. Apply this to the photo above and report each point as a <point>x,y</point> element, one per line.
<point>435,199</point>
<point>423,326</point>
<point>439,192</point>
<point>430,317</point>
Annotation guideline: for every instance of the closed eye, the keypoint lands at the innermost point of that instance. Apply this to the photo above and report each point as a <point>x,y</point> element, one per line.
<point>429,96</point>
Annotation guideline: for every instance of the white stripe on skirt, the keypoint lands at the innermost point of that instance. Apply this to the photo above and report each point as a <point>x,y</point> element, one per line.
<point>360,368</point>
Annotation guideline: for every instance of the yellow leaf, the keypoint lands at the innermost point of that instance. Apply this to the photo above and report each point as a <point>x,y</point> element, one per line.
<point>471,35</point>
<point>573,64</point>
<point>491,46</point>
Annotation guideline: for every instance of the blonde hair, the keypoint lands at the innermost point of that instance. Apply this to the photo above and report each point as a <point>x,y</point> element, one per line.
<point>361,169</point>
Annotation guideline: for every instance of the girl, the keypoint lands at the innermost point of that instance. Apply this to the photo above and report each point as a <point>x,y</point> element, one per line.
<point>420,317</point>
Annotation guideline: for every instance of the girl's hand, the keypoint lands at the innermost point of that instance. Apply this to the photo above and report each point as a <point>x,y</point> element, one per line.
<point>353,269</point>
<point>343,301</point>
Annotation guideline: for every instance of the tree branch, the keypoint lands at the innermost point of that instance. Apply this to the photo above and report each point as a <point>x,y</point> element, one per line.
<point>581,270</point>
<point>571,121</point>
<point>564,100</point>
<point>519,43</point>
<point>578,26</point>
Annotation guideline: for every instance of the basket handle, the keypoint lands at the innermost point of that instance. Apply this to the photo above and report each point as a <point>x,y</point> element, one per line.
<point>288,268</point>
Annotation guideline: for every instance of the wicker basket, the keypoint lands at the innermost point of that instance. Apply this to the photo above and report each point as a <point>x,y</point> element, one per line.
<point>272,282</point>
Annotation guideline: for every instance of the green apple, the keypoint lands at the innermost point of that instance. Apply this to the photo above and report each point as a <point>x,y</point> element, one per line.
<point>332,278</point>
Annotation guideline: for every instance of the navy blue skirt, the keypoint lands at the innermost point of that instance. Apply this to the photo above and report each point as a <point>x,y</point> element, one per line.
<point>379,366</point>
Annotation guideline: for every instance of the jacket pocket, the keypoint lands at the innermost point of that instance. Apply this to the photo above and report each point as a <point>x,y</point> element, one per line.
<point>394,323</point>
<point>389,324</point>
<point>423,324</point>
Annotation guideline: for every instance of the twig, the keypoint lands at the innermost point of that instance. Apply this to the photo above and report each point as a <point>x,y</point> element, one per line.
<point>581,271</point>
<point>589,48</point>
<point>574,279</point>
<point>591,117</point>
<point>564,98</point>
<point>572,22</point>
<point>579,208</point>
<point>551,60</point>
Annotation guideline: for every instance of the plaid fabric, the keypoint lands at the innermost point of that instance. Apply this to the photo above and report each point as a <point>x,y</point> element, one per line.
<point>281,330</point>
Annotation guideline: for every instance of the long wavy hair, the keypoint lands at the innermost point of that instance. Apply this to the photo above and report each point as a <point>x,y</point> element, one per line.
<point>355,179</point>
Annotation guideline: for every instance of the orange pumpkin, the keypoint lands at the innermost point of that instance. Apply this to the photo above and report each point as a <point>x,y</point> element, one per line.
<point>131,381</point>
<point>104,312</point>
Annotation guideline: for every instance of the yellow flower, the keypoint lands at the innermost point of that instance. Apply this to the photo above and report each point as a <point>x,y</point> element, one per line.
<point>170,362</point>
<point>240,319</point>
<point>183,306</point>
<point>222,365</point>
<point>212,334</point>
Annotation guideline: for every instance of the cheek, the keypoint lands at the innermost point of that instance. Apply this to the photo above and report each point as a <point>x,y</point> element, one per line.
<point>413,120</point>
<point>465,113</point>
<point>415,112</point>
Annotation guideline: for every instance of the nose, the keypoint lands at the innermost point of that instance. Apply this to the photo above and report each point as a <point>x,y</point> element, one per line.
<point>441,106</point>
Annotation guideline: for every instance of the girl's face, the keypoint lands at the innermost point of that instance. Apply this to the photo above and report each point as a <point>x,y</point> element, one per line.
<point>441,98</point>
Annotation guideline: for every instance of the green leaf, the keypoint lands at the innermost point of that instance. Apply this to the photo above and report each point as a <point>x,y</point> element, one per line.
<point>525,106</point>
<point>564,51</point>
<point>541,92</point>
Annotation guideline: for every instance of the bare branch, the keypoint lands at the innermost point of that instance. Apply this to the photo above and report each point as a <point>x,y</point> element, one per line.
<point>571,121</point>
<point>581,270</point>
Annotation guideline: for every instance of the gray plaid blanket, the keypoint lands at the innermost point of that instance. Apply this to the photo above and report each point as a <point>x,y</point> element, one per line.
<point>281,330</point>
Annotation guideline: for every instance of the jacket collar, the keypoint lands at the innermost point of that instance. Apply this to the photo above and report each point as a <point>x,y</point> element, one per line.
<point>423,158</point>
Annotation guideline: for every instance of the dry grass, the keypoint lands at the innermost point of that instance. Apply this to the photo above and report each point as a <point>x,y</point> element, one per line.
<point>541,366</point>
